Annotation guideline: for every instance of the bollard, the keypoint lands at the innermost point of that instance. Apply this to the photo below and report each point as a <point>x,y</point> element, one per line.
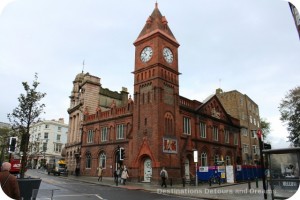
<point>209,182</point>
<point>256,180</point>
<point>117,180</point>
<point>183,182</point>
<point>171,182</point>
<point>249,184</point>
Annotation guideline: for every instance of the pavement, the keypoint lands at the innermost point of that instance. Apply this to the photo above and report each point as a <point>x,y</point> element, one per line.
<point>225,191</point>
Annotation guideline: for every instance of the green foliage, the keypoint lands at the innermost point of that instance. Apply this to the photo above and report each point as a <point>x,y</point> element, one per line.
<point>26,114</point>
<point>290,114</point>
<point>5,133</point>
<point>265,127</point>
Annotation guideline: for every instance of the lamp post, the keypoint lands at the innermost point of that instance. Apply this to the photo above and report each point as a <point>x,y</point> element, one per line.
<point>196,162</point>
<point>259,136</point>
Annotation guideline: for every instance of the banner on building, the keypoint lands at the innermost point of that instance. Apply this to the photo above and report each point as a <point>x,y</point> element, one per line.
<point>169,145</point>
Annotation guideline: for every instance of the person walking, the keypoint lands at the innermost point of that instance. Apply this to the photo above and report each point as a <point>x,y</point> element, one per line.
<point>164,177</point>
<point>9,183</point>
<point>124,175</point>
<point>100,172</point>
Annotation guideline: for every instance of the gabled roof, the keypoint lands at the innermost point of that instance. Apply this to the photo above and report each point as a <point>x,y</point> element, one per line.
<point>154,24</point>
<point>213,107</point>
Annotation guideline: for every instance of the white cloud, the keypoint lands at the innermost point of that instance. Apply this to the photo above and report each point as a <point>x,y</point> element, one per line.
<point>256,53</point>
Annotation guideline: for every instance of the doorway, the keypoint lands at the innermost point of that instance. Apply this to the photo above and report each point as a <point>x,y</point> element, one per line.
<point>147,170</point>
<point>187,169</point>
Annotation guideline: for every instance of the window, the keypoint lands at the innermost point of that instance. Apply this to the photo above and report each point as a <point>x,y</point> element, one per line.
<point>90,136</point>
<point>245,148</point>
<point>186,126</point>
<point>215,133</point>
<point>245,132</point>
<point>46,135</point>
<point>202,130</point>
<point>253,133</point>
<point>169,124</point>
<point>57,147</point>
<point>44,146</point>
<point>236,139</point>
<point>255,149</point>
<point>58,137</point>
<point>102,160</point>
<point>104,134</point>
<point>226,136</point>
<point>120,131</point>
<point>47,126</point>
<point>59,128</point>
<point>250,119</point>
<point>88,160</point>
<point>228,160</point>
<point>203,159</point>
<point>241,101</point>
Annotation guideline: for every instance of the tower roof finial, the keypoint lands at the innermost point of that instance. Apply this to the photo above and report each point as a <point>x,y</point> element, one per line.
<point>156,4</point>
<point>83,66</point>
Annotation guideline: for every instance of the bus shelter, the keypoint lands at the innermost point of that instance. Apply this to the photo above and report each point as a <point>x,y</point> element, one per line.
<point>282,171</point>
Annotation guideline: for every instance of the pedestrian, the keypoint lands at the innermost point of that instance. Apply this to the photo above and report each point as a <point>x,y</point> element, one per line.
<point>124,175</point>
<point>9,183</point>
<point>116,176</point>
<point>164,177</point>
<point>100,171</point>
<point>119,175</point>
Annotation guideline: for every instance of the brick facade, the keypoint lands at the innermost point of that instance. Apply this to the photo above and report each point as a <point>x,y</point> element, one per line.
<point>157,127</point>
<point>246,110</point>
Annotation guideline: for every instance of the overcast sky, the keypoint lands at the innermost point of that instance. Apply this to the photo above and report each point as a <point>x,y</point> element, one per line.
<point>247,45</point>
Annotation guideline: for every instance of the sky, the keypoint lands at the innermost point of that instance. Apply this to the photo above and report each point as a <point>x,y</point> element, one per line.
<point>247,45</point>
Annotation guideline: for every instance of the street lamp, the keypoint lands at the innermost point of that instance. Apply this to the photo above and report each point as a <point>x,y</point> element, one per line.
<point>259,136</point>
<point>196,161</point>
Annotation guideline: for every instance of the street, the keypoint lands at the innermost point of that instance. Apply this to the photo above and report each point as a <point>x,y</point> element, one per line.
<point>64,189</point>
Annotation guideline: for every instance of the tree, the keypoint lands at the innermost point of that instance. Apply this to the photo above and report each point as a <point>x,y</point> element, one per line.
<point>4,137</point>
<point>265,127</point>
<point>25,114</point>
<point>290,114</point>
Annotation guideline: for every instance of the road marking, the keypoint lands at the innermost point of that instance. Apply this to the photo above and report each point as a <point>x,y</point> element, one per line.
<point>78,195</point>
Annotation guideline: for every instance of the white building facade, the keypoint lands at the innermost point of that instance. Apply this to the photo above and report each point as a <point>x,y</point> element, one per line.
<point>47,140</point>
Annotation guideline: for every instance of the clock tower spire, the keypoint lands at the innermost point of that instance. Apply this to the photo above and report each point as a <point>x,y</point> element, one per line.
<point>156,90</point>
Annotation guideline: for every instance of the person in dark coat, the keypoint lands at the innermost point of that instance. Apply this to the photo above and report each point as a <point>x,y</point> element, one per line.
<point>164,176</point>
<point>9,183</point>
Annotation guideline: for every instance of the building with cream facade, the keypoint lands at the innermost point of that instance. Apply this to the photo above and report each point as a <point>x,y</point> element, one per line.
<point>47,140</point>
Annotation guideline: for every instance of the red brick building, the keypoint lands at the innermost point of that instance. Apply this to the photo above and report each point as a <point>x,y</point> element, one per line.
<point>158,127</point>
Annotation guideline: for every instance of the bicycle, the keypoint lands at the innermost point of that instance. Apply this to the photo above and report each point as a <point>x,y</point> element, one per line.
<point>214,179</point>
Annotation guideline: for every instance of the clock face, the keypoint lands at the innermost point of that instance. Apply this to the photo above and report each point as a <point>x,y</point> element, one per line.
<point>168,55</point>
<point>146,54</point>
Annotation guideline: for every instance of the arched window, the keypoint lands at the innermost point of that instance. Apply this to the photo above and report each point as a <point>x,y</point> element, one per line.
<point>169,127</point>
<point>228,160</point>
<point>203,159</point>
<point>88,160</point>
<point>102,160</point>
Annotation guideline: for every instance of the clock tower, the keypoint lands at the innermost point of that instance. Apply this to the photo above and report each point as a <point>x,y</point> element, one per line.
<point>156,96</point>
